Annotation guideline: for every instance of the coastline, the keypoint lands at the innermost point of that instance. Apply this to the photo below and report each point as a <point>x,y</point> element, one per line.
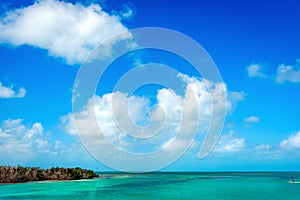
<point>116,174</point>
<point>52,181</point>
<point>19,174</point>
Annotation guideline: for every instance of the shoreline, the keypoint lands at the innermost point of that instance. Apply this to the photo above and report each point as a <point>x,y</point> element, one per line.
<point>19,174</point>
<point>52,181</point>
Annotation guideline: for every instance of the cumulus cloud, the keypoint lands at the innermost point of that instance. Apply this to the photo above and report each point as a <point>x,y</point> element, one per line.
<point>292,142</point>
<point>19,142</point>
<point>68,31</point>
<point>32,145</point>
<point>288,73</point>
<point>110,111</point>
<point>251,119</point>
<point>255,70</point>
<point>9,92</point>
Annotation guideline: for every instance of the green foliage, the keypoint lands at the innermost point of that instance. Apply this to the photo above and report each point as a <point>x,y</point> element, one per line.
<point>20,174</point>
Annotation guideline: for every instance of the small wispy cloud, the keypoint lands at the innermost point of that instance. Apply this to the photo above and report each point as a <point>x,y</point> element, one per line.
<point>230,143</point>
<point>126,13</point>
<point>284,73</point>
<point>288,73</point>
<point>263,147</point>
<point>251,119</point>
<point>9,92</point>
<point>255,70</point>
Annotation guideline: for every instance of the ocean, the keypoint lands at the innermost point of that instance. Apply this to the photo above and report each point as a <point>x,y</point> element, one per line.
<point>160,186</point>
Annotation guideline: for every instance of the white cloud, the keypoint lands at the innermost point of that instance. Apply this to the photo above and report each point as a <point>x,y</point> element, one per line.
<point>102,109</point>
<point>233,98</point>
<point>170,107</point>
<point>31,145</point>
<point>8,92</point>
<point>255,70</point>
<point>288,73</point>
<point>20,143</point>
<point>235,145</point>
<point>126,13</point>
<point>251,119</point>
<point>229,143</point>
<point>66,30</point>
<point>284,73</point>
<point>263,147</point>
<point>293,142</point>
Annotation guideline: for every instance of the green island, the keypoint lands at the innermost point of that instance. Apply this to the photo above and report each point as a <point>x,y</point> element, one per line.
<point>19,174</point>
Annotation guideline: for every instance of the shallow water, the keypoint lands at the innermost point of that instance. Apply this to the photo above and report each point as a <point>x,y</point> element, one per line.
<point>162,186</point>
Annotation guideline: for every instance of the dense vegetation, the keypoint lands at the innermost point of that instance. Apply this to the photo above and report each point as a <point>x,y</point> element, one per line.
<point>21,174</point>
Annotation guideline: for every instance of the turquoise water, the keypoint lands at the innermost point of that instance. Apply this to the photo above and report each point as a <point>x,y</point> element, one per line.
<point>162,186</point>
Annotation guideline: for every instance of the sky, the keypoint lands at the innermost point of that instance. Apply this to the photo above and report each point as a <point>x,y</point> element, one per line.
<point>46,45</point>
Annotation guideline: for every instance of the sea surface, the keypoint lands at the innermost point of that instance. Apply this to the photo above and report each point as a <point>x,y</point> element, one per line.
<point>161,186</point>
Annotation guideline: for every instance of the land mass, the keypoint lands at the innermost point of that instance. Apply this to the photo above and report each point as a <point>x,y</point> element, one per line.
<point>21,174</point>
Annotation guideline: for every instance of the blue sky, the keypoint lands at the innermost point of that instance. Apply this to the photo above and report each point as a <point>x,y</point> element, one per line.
<point>254,44</point>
